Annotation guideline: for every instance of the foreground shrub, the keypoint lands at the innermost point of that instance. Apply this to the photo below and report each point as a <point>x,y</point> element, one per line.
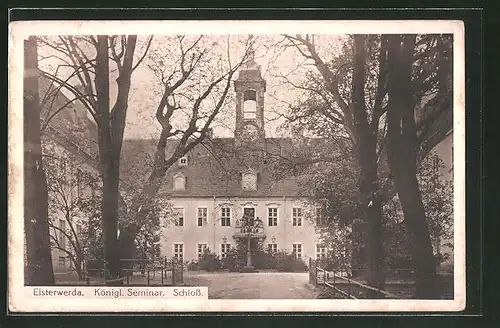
<point>209,261</point>
<point>232,261</point>
<point>285,262</point>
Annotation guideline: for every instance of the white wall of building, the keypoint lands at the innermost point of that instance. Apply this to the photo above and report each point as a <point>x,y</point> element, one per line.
<point>285,234</point>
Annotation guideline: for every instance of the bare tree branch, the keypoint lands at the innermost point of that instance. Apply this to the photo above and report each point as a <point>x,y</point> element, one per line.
<point>150,39</point>
<point>85,99</point>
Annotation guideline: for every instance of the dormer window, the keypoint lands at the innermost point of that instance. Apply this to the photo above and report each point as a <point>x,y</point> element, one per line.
<point>179,182</point>
<point>183,161</point>
<point>249,181</point>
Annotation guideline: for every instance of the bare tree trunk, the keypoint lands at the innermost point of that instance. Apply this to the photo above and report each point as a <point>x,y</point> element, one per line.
<point>79,268</point>
<point>111,126</point>
<point>36,216</point>
<point>402,157</point>
<point>416,224</point>
<point>109,162</point>
<point>110,121</point>
<point>359,249</point>
<point>110,220</point>
<point>367,156</point>
<point>126,244</point>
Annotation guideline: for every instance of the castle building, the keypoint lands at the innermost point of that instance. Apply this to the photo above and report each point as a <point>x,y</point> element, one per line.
<point>215,190</point>
<point>211,191</point>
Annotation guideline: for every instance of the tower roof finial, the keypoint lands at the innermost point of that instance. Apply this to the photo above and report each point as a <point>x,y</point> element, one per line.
<point>251,50</point>
<point>250,63</point>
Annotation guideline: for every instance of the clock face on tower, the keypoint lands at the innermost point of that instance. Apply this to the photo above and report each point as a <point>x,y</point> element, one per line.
<point>250,132</point>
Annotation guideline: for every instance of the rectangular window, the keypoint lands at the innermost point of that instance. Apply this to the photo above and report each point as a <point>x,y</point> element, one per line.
<point>297,216</point>
<point>320,252</point>
<point>202,216</point>
<point>272,216</point>
<point>62,262</point>
<point>273,248</point>
<point>297,251</point>
<point>179,217</point>
<point>224,249</point>
<point>225,217</point>
<point>201,250</point>
<point>179,252</point>
<point>62,236</point>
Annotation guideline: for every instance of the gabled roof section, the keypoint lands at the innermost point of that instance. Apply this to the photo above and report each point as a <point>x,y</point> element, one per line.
<point>214,169</point>
<point>438,130</point>
<point>67,121</point>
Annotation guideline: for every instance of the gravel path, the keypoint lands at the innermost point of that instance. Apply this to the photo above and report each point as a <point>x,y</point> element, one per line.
<point>263,285</point>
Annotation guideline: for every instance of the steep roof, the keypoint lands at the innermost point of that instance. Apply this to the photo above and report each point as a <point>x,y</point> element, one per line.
<point>438,129</point>
<point>67,121</point>
<point>213,169</point>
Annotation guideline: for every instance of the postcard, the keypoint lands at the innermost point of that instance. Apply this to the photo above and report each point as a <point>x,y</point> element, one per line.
<point>235,166</point>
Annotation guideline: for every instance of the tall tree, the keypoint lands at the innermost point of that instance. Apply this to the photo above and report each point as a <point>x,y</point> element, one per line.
<point>437,196</point>
<point>94,76</point>
<point>429,95</point>
<point>345,105</point>
<point>405,91</point>
<point>36,223</point>
<point>367,158</point>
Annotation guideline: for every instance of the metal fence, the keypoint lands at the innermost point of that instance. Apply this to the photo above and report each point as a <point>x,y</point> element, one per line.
<point>137,272</point>
<point>342,284</point>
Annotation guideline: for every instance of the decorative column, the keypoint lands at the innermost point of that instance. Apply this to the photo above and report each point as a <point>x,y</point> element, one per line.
<point>249,252</point>
<point>250,229</point>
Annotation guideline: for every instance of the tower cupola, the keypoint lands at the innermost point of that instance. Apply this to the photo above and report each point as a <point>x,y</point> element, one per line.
<point>250,88</point>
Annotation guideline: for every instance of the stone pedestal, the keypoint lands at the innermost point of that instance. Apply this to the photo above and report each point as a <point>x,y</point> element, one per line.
<point>247,269</point>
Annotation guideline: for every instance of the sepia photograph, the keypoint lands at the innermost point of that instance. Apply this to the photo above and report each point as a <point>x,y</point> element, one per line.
<point>218,166</point>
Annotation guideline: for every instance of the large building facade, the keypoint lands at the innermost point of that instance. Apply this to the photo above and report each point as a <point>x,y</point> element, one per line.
<point>213,194</point>
<point>216,187</point>
<point>214,223</point>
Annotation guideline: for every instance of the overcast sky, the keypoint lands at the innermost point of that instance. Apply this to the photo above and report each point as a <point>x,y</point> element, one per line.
<point>275,61</point>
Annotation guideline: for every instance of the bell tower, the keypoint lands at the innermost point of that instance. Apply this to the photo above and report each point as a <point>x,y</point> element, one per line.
<point>250,88</point>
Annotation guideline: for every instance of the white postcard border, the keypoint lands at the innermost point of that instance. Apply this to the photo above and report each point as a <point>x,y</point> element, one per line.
<point>18,31</point>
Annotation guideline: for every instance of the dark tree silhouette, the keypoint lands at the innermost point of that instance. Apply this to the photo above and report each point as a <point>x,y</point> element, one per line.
<point>39,269</point>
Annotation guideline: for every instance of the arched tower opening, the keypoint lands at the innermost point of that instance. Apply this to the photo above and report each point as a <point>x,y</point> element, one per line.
<point>250,105</point>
